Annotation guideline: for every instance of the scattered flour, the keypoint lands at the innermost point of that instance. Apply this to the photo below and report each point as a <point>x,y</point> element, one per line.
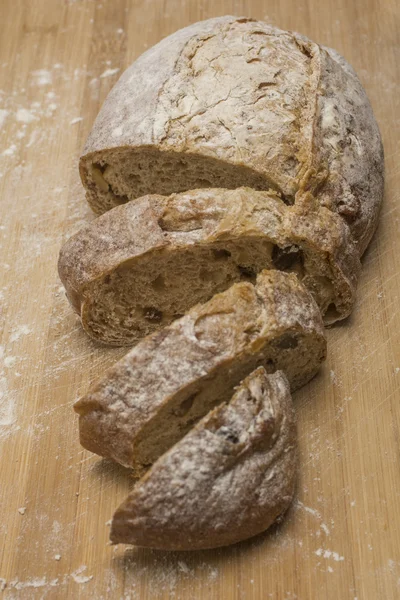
<point>109,73</point>
<point>19,332</point>
<point>78,578</point>
<point>9,361</point>
<point>10,150</point>
<point>3,116</point>
<point>329,554</point>
<point>7,407</point>
<point>42,77</point>
<point>24,116</point>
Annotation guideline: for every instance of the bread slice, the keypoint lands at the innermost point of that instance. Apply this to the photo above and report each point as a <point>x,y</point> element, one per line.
<point>233,102</point>
<point>143,264</point>
<point>228,479</point>
<point>147,401</point>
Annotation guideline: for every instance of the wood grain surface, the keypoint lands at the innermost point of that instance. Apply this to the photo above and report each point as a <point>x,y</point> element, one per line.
<point>341,538</point>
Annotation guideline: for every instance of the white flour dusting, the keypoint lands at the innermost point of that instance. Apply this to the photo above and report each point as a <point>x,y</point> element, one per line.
<point>329,554</point>
<point>3,116</point>
<point>42,77</point>
<point>9,361</point>
<point>24,116</point>
<point>109,73</point>
<point>78,578</point>
<point>19,332</point>
<point>7,407</point>
<point>10,150</point>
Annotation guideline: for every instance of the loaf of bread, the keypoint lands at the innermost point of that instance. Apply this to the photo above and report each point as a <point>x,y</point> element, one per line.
<point>228,479</point>
<point>147,401</point>
<point>233,102</point>
<point>241,171</point>
<point>142,264</point>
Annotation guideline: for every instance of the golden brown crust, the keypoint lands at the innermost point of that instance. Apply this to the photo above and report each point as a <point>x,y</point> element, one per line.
<point>144,231</point>
<point>228,479</point>
<point>200,358</point>
<point>285,112</point>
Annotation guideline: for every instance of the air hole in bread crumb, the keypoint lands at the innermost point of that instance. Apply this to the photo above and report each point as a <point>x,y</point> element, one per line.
<point>285,259</point>
<point>184,406</point>
<point>247,273</point>
<point>332,313</point>
<point>209,275</point>
<point>158,283</point>
<point>152,314</point>
<point>221,254</point>
<point>100,167</point>
<point>287,341</point>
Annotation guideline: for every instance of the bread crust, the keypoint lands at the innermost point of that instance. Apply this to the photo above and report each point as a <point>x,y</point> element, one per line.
<point>248,95</point>
<point>228,479</point>
<point>156,226</point>
<point>215,344</point>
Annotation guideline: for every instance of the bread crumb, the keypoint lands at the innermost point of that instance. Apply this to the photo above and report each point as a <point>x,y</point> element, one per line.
<point>76,120</point>
<point>22,510</point>
<point>57,557</point>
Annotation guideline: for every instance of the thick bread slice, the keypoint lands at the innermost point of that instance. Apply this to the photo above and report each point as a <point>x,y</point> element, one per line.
<point>142,264</point>
<point>233,102</point>
<point>167,382</point>
<point>228,479</point>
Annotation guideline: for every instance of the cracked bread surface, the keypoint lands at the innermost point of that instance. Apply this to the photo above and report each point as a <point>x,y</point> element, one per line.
<point>145,263</point>
<point>166,383</point>
<point>228,479</point>
<point>233,102</point>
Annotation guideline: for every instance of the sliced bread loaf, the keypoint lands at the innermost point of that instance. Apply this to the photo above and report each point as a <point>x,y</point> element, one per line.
<point>228,479</point>
<point>233,102</point>
<point>136,268</point>
<point>166,383</point>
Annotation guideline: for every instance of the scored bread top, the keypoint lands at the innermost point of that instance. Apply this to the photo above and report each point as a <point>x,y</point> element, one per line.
<point>283,111</point>
<point>228,479</point>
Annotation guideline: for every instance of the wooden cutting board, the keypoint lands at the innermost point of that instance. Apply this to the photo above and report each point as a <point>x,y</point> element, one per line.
<point>341,538</point>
